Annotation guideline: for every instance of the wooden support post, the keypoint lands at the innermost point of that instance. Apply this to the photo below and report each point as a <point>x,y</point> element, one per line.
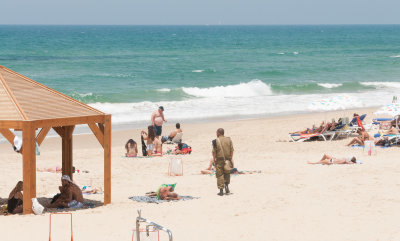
<point>29,165</point>
<point>67,157</point>
<point>107,159</point>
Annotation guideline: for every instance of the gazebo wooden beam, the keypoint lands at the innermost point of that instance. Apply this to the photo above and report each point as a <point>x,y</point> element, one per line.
<point>97,132</point>
<point>9,124</point>
<point>70,121</point>
<point>42,134</point>
<point>107,159</point>
<point>8,135</point>
<point>29,165</point>
<point>59,130</point>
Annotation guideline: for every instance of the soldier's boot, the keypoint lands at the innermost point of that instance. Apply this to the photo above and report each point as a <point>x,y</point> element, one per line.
<point>221,192</point>
<point>227,188</point>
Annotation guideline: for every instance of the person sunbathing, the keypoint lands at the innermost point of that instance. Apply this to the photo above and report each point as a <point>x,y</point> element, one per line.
<point>14,202</point>
<point>363,136</point>
<point>131,148</point>
<point>210,169</point>
<point>157,147</point>
<point>70,196</point>
<point>329,160</point>
<point>392,131</point>
<point>165,192</point>
<point>312,130</point>
<point>172,134</point>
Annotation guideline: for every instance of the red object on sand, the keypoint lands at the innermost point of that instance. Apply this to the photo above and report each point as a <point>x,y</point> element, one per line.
<point>359,123</point>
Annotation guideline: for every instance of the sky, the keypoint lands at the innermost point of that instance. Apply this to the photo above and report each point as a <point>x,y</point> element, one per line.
<point>199,12</point>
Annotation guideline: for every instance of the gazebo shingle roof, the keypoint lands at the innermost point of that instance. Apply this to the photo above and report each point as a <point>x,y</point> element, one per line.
<point>24,99</point>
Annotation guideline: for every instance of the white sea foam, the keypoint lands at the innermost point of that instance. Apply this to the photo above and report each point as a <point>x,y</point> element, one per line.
<point>214,107</point>
<point>295,53</point>
<point>395,56</point>
<point>197,70</point>
<point>164,90</point>
<point>382,84</point>
<point>85,94</point>
<point>329,86</point>
<point>281,53</point>
<point>252,88</point>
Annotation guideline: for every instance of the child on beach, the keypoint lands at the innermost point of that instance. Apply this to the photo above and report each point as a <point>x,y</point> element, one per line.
<point>131,148</point>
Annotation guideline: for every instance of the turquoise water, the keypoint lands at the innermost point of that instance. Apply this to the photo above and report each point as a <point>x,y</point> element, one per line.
<point>209,71</point>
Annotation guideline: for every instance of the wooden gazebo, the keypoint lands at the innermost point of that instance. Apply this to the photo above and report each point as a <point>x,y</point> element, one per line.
<point>28,106</point>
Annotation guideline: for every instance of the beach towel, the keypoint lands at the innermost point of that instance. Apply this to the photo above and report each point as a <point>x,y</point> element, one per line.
<point>144,147</point>
<point>146,199</point>
<point>138,156</point>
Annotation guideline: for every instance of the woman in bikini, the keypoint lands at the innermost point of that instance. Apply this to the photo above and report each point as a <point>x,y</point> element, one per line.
<point>149,137</point>
<point>131,148</point>
<point>329,160</point>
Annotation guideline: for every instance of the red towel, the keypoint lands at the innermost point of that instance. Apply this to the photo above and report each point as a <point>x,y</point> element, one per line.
<point>359,123</point>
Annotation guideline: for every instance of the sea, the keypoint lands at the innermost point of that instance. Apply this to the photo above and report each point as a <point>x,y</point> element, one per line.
<point>208,73</point>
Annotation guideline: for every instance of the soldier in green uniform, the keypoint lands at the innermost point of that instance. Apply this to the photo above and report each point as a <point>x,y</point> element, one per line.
<point>222,151</point>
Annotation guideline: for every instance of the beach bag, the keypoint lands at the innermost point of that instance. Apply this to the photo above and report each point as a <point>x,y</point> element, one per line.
<point>37,207</point>
<point>228,163</point>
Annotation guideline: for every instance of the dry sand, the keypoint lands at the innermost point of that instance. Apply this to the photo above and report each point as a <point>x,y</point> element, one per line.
<point>289,200</point>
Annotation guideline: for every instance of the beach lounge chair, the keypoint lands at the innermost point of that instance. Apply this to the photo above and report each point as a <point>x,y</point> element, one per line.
<point>176,140</point>
<point>304,137</point>
<point>353,126</point>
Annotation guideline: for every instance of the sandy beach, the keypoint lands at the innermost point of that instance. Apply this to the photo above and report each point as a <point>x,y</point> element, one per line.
<point>288,200</point>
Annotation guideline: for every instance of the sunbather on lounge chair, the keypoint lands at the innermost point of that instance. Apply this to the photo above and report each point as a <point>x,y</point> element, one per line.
<point>392,131</point>
<point>363,136</point>
<point>329,160</point>
<point>312,130</point>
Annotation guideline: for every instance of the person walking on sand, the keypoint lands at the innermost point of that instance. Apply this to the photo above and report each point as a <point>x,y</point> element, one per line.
<point>222,152</point>
<point>157,119</point>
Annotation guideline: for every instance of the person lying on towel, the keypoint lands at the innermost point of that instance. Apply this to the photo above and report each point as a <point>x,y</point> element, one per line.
<point>165,192</point>
<point>70,196</point>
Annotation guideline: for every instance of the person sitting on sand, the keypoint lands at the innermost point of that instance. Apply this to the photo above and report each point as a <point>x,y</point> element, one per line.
<point>70,196</point>
<point>210,169</point>
<point>149,137</point>
<point>172,134</point>
<point>329,160</point>
<point>363,136</point>
<point>14,202</point>
<point>165,192</point>
<point>131,148</point>
<point>157,147</point>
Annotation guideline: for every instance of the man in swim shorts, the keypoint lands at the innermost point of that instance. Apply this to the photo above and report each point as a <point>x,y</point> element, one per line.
<point>172,134</point>
<point>71,195</point>
<point>222,151</point>
<point>157,119</point>
<point>165,192</point>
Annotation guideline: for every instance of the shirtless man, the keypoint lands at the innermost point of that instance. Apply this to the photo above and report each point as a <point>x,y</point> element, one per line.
<point>157,119</point>
<point>329,160</point>
<point>363,136</point>
<point>71,195</point>
<point>172,134</point>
